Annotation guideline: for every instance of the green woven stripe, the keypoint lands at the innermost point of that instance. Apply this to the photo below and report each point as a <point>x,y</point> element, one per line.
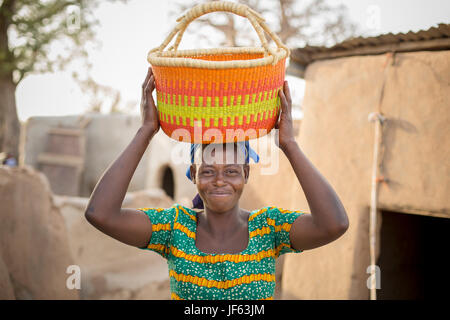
<point>250,291</point>
<point>210,270</point>
<point>238,110</point>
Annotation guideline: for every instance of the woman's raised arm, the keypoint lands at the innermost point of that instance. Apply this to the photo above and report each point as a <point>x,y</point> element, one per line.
<point>104,210</point>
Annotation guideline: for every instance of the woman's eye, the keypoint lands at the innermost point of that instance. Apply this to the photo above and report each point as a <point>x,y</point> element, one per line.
<point>227,172</point>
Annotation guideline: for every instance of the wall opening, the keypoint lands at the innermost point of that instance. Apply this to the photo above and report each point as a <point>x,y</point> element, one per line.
<point>412,255</point>
<point>167,182</point>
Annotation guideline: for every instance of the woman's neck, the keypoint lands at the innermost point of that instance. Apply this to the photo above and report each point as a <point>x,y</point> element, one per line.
<point>222,225</point>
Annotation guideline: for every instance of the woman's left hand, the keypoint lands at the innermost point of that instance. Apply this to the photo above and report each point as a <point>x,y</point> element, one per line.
<point>284,125</point>
<point>149,112</point>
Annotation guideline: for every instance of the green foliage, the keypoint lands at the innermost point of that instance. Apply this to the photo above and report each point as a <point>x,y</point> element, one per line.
<point>28,29</point>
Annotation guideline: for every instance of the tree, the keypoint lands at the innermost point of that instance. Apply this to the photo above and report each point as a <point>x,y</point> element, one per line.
<point>297,23</point>
<point>28,29</point>
<point>100,94</point>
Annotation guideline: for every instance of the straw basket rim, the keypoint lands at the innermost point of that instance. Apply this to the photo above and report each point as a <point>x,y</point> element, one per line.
<point>182,58</point>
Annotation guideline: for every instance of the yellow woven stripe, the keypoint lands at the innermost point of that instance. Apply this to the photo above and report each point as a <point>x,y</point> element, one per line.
<point>146,209</point>
<point>185,230</point>
<point>178,226</point>
<point>260,232</point>
<point>157,247</point>
<point>226,284</point>
<point>285,226</point>
<point>225,257</point>
<point>161,226</point>
<point>289,211</point>
<point>190,215</point>
<point>174,296</point>
<point>176,215</point>
<point>278,249</point>
<point>257,213</point>
<point>231,111</point>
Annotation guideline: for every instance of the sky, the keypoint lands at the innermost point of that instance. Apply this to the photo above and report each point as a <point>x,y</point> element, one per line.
<point>128,31</point>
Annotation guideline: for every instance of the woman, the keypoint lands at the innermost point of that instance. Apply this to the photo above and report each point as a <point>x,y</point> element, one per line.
<point>223,251</point>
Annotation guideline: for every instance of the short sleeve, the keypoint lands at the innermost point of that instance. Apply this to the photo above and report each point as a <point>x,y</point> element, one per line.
<point>162,226</point>
<point>280,221</point>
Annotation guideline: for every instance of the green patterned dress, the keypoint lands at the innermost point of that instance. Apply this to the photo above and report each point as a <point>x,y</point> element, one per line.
<point>196,275</point>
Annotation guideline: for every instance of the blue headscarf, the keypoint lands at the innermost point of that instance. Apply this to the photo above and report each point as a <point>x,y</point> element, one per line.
<point>197,202</point>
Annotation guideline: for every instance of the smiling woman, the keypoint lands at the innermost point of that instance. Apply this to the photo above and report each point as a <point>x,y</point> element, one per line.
<point>222,252</point>
<point>209,161</point>
<point>218,250</point>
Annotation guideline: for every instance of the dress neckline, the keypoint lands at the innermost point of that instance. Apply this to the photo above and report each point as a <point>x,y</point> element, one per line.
<point>247,248</point>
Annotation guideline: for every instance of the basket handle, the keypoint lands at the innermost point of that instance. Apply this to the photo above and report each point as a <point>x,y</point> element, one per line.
<point>256,20</point>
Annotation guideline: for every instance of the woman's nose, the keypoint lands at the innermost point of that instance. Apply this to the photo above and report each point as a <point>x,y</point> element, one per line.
<point>219,178</point>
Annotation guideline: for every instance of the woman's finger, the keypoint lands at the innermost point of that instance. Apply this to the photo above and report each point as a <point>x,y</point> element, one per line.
<point>151,83</point>
<point>283,101</point>
<point>149,89</point>
<point>287,92</point>
<point>147,78</point>
<point>149,74</point>
<point>149,86</point>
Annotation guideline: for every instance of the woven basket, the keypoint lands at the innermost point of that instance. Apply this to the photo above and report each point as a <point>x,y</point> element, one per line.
<point>221,94</point>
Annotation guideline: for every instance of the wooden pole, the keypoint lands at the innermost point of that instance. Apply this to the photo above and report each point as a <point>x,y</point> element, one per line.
<point>378,118</point>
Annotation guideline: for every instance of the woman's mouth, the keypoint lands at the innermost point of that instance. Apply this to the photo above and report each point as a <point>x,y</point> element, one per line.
<point>220,194</point>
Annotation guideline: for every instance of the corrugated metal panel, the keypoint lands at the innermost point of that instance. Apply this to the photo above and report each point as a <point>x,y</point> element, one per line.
<point>305,55</point>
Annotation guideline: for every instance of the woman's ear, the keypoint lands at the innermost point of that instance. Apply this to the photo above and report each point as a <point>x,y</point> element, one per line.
<point>193,170</point>
<point>246,172</point>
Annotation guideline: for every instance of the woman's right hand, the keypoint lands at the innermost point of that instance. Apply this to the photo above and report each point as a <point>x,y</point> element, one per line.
<point>149,113</point>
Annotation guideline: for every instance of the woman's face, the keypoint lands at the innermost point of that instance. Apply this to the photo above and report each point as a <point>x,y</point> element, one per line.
<point>220,177</point>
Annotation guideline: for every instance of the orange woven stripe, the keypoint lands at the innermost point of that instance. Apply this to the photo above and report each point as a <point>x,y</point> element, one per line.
<point>260,232</point>
<point>285,226</point>
<point>146,209</point>
<point>206,77</point>
<point>278,249</point>
<point>161,226</point>
<point>236,258</point>
<point>187,213</point>
<point>257,213</point>
<point>289,211</point>
<point>158,247</point>
<point>185,230</point>
<point>203,282</point>
<point>176,87</point>
<point>196,99</point>
<point>174,296</point>
<point>187,132</point>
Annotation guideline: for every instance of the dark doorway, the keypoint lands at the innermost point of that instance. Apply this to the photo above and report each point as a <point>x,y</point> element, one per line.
<point>168,184</point>
<point>412,256</point>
